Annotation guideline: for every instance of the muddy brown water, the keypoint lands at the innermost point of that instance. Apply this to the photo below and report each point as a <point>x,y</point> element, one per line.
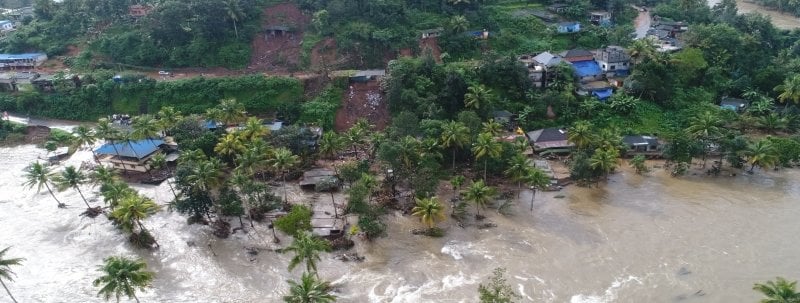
<point>779,19</point>
<point>638,239</point>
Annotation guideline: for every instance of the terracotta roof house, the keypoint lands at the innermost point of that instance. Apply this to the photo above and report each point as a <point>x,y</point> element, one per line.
<point>575,55</point>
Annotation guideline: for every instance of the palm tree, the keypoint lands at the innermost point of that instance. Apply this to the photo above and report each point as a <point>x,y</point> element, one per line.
<point>761,154</point>
<point>306,248</point>
<point>206,177</point>
<point>536,179</point>
<point>458,24</point>
<point>604,160</point>
<point>492,127</point>
<point>122,276</point>
<point>253,128</point>
<point>114,192</point>
<point>705,127</point>
<point>234,12</point>
<point>581,134</point>
<point>39,175</point>
<point>780,291</point>
<point>84,136</point>
<point>283,160</point>
<point>309,290</point>
<point>230,111</point>
<point>73,178</point>
<point>486,147</point>
<point>168,117</point>
<point>454,135</point>
<point>330,144</point>
<point>429,210</point>
<point>790,89</point>
<point>773,122</point>
<point>230,146</point>
<point>102,175</point>
<point>641,49</point>
<point>354,137</point>
<point>245,186</point>
<point>477,96</point>
<point>132,210</point>
<point>518,168</point>
<point>5,270</point>
<point>480,194</point>
<point>145,127</point>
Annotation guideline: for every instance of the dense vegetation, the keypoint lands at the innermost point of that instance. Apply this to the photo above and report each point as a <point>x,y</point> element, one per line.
<point>98,95</point>
<point>175,33</point>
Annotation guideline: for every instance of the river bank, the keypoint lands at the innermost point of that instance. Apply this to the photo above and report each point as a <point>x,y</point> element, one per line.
<point>779,19</point>
<point>649,238</point>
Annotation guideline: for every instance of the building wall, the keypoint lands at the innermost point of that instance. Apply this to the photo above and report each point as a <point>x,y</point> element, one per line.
<point>605,66</point>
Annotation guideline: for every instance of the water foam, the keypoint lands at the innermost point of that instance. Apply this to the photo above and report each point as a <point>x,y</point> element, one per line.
<point>610,294</point>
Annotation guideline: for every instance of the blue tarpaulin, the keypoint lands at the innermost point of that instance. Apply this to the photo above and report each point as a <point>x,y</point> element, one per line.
<point>586,68</point>
<point>602,94</point>
<point>132,149</point>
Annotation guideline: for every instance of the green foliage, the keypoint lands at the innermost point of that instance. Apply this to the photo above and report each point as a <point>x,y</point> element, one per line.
<point>258,94</point>
<point>497,289</point>
<point>639,164</point>
<point>371,225</point>
<point>296,221</point>
<point>322,109</point>
<point>787,149</point>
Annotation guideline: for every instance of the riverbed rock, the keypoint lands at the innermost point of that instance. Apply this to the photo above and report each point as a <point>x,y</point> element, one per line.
<point>349,257</point>
<point>487,225</point>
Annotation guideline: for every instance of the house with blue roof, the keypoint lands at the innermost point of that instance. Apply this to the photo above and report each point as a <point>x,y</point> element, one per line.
<point>587,70</point>
<point>129,155</point>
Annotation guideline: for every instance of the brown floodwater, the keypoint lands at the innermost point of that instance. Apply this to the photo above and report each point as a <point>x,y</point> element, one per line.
<point>779,19</point>
<point>647,238</point>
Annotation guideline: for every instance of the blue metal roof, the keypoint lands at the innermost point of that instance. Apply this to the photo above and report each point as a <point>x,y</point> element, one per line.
<point>132,149</point>
<point>20,56</point>
<point>4,22</point>
<point>586,68</point>
<point>602,94</point>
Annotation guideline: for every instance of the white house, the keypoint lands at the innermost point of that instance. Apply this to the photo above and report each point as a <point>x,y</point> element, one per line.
<point>614,61</point>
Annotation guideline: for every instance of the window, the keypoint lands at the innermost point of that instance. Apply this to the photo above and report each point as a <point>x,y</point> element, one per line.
<point>613,67</point>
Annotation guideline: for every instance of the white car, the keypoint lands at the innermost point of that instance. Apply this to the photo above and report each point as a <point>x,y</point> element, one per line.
<point>163,73</point>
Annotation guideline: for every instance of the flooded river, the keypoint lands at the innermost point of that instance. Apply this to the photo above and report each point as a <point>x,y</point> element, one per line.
<point>779,19</point>
<point>638,239</point>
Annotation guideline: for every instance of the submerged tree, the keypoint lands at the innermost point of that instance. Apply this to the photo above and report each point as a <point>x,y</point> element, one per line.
<point>486,147</point>
<point>132,210</point>
<point>780,291</point>
<point>454,135</point>
<point>480,195</point>
<point>497,290</point>
<point>537,179</point>
<point>761,154</point>
<point>429,210</point>
<point>309,290</point>
<point>5,270</point>
<point>282,161</point>
<point>306,248</point>
<point>122,276</point>
<point>39,175</point>
<point>73,178</point>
